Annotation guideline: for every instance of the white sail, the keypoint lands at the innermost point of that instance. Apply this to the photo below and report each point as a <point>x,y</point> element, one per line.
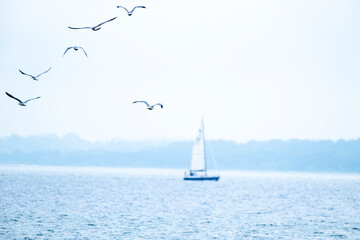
<point>198,153</point>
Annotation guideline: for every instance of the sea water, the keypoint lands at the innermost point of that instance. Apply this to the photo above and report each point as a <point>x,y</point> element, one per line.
<point>109,203</point>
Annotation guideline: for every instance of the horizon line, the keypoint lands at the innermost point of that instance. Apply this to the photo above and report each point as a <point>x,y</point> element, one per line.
<point>164,140</point>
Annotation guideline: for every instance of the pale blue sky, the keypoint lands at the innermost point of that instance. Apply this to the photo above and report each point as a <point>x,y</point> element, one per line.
<point>255,69</point>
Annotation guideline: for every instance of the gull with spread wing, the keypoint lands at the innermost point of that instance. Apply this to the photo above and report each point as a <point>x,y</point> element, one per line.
<point>150,107</point>
<point>21,103</point>
<point>34,77</point>
<point>130,12</point>
<point>95,28</point>
<point>75,48</point>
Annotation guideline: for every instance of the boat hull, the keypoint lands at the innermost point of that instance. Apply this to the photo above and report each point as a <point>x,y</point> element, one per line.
<point>203,178</point>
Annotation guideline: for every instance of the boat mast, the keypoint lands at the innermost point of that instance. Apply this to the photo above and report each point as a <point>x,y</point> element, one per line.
<point>203,136</point>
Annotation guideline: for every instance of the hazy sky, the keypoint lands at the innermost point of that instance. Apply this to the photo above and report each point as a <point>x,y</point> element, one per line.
<point>255,69</point>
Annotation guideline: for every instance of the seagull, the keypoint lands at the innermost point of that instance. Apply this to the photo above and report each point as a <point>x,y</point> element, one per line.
<point>21,103</point>
<point>131,12</point>
<point>95,28</point>
<point>35,78</point>
<point>75,48</point>
<point>148,106</point>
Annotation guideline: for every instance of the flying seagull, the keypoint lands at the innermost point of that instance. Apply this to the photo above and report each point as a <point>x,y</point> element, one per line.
<point>21,103</point>
<point>75,48</point>
<point>131,12</point>
<point>148,106</point>
<point>35,78</point>
<point>95,28</point>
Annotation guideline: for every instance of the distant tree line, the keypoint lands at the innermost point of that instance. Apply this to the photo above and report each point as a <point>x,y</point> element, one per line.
<point>274,155</point>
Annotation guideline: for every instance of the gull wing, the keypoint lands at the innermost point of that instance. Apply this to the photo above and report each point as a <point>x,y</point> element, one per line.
<point>26,74</point>
<point>104,22</point>
<point>159,105</point>
<point>142,102</point>
<point>67,50</point>
<point>31,99</point>
<point>42,73</point>
<point>124,8</point>
<point>79,27</point>
<point>13,97</point>
<point>137,7</point>
<point>84,51</point>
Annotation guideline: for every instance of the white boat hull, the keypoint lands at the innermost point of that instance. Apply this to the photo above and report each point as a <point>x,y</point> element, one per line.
<point>202,178</point>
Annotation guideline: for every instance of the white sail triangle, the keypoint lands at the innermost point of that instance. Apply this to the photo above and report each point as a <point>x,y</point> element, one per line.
<point>198,162</point>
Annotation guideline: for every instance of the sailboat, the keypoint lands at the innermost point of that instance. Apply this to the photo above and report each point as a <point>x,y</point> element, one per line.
<point>198,166</point>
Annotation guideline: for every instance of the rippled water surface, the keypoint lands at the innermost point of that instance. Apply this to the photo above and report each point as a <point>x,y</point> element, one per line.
<point>101,203</point>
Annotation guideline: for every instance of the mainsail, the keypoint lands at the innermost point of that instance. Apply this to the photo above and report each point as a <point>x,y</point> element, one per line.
<point>198,163</point>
